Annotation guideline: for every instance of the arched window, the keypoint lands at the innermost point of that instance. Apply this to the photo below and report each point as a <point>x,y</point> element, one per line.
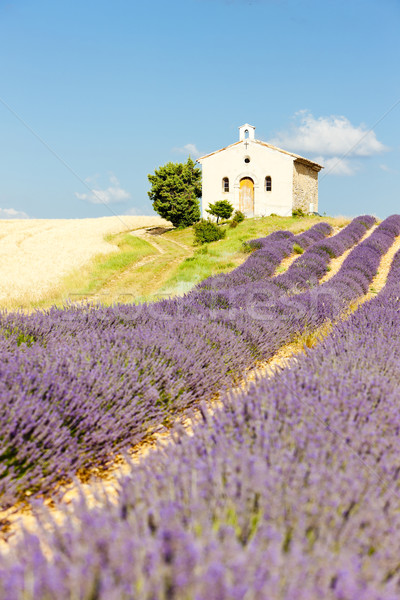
<point>268,184</point>
<point>246,134</point>
<point>225,184</point>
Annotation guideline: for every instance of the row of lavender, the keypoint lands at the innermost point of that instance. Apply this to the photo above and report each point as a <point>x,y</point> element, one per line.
<point>77,385</point>
<point>242,285</point>
<point>291,492</point>
<point>268,320</point>
<point>268,252</point>
<point>314,264</point>
<point>311,266</point>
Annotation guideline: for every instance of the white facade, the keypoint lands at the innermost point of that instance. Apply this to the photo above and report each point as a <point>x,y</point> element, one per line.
<point>257,178</point>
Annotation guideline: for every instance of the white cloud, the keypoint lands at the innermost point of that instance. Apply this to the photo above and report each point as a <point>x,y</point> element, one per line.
<point>92,179</point>
<point>188,149</point>
<point>329,136</point>
<point>11,213</point>
<point>111,194</point>
<point>337,166</point>
<point>387,169</point>
<point>138,212</point>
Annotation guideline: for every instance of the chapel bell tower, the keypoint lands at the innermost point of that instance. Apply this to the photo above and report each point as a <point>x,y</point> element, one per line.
<point>246,132</point>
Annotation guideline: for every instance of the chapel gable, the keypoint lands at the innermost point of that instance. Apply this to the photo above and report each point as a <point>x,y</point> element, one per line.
<point>258,178</point>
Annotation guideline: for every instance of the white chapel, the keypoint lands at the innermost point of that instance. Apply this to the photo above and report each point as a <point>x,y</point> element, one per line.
<point>258,178</point>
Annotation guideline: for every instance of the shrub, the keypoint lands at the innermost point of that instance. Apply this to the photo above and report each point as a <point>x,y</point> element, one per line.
<point>207,231</point>
<point>298,249</point>
<point>248,247</point>
<point>221,209</point>
<point>298,212</point>
<point>238,216</point>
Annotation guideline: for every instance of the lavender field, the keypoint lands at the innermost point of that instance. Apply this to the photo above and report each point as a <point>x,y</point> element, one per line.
<point>288,491</point>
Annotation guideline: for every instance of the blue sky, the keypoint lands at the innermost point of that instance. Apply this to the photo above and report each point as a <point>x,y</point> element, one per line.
<point>95,95</point>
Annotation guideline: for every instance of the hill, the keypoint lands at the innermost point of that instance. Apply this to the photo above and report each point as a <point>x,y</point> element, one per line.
<point>117,259</point>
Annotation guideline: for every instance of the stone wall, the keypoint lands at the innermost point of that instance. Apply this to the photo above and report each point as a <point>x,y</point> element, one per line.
<point>305,187</point>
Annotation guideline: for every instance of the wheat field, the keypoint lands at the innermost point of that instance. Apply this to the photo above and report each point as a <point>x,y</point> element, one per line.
<point>37,253</point>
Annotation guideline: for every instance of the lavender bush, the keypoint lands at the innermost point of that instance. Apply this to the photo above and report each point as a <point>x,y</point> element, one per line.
<point>291,492</point>
<point>80,384</point>
<point>269,253</point>
<point>304,273</point>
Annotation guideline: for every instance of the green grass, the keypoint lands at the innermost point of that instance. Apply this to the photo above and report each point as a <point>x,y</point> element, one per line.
<point>131,249</point>
<point>91,277</point>
<point>297,249</point>
<point>120,276</point>
<point>226,254</point>
<point>207,260</point>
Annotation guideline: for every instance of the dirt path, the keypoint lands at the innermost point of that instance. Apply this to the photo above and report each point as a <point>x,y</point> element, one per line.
<point>150,235</point>
<point>379,280</point>
<point>145,235</point>
<point>288,353</point>
<point>145,278</point>
<point>336,263</point>
<point>289,260</point>
<point>178,244</point>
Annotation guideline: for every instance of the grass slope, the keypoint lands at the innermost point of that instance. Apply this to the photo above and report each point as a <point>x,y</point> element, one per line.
<point>226,254</point>
<point>85,282</point>
<point>137,271</point>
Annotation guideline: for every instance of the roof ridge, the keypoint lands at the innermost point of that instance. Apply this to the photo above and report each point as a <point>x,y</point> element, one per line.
<point>267,145</point>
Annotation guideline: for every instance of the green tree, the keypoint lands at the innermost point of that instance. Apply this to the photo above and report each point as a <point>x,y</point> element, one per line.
<point>221,209</point>
<point>175,192</point>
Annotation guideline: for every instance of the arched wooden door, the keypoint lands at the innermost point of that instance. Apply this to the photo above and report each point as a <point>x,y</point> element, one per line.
<point>246,196</point>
